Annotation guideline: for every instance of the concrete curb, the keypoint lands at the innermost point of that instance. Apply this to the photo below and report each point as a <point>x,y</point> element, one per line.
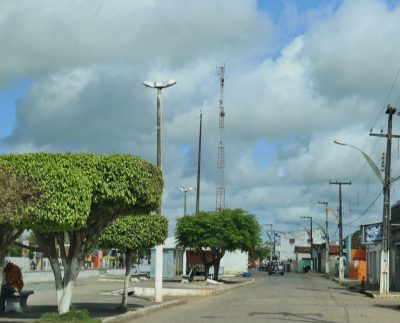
<point>353,285</point>
<point>381,296</point>
<point>158,307</point>
<point>144,311</point>
<point>225,288</point>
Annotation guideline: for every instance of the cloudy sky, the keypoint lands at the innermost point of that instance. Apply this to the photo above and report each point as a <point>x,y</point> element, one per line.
<point>299,74</point>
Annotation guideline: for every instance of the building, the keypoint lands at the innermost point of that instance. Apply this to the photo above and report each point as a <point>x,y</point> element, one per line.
<point>285,245</point>
<point>177,261</point>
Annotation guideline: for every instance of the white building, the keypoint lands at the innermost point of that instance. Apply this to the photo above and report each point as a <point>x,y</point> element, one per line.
<point>288,240</point>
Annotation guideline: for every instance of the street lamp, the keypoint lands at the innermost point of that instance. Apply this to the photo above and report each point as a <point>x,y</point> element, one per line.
<point>367,158</point>
<point>159,248</point>
<point>384,270</point>
<point>326,234</point>
<point>185,190</point>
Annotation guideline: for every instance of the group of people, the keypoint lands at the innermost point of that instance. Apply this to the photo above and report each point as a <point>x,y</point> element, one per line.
<point>12,283</point>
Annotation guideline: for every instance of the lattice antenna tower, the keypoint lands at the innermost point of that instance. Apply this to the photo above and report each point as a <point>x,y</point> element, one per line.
<point>220,199</point>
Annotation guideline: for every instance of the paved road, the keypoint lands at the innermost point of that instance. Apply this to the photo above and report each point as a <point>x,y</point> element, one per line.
<point>290,298</point>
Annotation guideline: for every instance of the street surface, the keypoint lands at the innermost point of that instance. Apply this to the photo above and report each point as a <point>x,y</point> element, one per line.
<point>293,297</point>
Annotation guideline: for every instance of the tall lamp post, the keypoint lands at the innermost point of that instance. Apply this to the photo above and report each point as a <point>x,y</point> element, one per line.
<point>326,234</point>
<point>159,248</point>
<point>384,270</point>
<point>185,190</point>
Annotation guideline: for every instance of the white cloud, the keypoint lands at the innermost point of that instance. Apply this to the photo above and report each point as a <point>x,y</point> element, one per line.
<point>282,113</point>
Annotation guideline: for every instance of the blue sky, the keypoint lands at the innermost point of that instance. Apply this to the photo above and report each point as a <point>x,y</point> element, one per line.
<point>299,74</point>
<point>8,98</point>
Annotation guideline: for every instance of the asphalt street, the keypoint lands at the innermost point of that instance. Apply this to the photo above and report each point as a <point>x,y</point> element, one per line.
<point>294,297</point>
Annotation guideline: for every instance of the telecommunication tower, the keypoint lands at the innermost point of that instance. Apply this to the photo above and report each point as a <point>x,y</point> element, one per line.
<point>220,200</point>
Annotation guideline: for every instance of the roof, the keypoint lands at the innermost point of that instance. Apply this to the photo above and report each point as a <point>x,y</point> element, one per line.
<point>300,249</point>
<point>333,249</point>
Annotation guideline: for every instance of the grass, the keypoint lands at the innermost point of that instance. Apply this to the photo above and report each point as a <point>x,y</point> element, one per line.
<point>74,315</point>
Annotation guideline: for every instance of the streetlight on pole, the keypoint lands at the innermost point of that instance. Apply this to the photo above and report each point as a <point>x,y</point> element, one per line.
<point>185,190</point>
<point>384,268</point>
<point>159,249</point>
<point>326,234</point>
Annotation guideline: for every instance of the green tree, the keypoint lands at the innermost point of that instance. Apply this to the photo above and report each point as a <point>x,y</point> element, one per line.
<point>83,193</point>
<point>131,233</point>
<point>260,252</point>
<point>219,231</point>
<point>16,194</point>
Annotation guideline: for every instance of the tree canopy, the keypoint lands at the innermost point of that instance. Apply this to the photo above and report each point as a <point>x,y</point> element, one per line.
<point>219,231</point>
<point>135,232</point>
<point>131,233</point>
<point>17,193</point>
<point>82,193</point>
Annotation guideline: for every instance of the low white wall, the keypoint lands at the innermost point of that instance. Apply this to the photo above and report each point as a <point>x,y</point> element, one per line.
<point>46,276</point>
<point>21,262</point>
<point>235,262</point>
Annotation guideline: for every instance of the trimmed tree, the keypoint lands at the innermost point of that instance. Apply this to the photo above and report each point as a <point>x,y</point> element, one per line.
<point>131,233</point>
<point>218,231</point>
<point>83,193</point>
<point>16,194</point>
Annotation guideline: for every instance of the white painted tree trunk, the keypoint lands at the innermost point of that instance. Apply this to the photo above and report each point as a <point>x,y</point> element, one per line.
<point>128,264</point>
<point>64,301</point>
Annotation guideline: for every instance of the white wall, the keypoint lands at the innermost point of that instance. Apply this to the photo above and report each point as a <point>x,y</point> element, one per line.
<point>235,262</point>
<point>373,252</point>
<point>286,249</point>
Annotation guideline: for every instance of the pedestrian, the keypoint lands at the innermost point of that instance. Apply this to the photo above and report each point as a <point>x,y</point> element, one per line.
<point>12,282</point>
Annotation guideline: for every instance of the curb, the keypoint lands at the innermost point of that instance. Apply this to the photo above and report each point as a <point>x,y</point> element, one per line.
<point>144,311</point>
<point>175,302</point>
<point>380,296</point>
<point>225,288</point>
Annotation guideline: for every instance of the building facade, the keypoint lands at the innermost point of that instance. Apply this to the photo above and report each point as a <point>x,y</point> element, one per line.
<point>288,240</point>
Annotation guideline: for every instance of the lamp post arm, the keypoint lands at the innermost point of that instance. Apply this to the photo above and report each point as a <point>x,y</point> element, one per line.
<point>370,162</point>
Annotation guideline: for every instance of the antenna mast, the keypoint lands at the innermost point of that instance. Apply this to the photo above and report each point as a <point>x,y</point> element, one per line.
<point>220,200</point>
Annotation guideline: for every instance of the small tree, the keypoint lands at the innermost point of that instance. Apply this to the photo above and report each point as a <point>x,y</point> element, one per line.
<point>131,233</point>
<point>16,194</point>
<point>218,231</point>
<point>83,193</point>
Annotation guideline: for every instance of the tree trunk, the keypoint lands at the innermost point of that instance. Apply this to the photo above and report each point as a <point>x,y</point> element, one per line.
<point>128,263</point>
<point>206,270</point>
<point>72,264</point>
<point>217,256</point>
<point>216,270</point>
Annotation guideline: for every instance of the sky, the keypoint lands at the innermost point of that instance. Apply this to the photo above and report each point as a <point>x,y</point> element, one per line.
<point>298,75</point>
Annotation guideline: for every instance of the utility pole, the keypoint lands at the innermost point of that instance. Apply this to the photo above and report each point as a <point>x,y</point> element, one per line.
<point>311,239</point>
<point>326,235</point>
<point>198,167</point>
<point>270,251</point>
<point>220,198</point>
<point>385,254</point>
<point>340,225</point>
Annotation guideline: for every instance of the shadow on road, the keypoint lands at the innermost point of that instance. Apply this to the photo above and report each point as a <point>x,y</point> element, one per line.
<point>286,316</point>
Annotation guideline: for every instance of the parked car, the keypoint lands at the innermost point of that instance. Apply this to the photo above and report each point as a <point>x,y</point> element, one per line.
<point>275,268</point>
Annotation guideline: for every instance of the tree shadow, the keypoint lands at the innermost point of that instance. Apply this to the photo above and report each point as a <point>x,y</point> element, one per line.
<point>293,317</point>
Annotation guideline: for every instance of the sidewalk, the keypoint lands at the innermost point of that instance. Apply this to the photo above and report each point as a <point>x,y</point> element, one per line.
<point>100,297</point>
<point>371,290</point>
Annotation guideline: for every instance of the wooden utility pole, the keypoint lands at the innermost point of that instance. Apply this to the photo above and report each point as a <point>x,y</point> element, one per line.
<point>385,254</point>
<point>199,167</point>
<point>341,269</point>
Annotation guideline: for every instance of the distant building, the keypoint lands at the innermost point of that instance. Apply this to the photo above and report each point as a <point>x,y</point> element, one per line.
<point>288,240</point>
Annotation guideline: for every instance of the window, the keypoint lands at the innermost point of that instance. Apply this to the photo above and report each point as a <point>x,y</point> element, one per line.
<point>291,241</point>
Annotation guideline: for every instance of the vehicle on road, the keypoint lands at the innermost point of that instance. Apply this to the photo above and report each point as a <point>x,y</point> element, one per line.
<point>275,268</point>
